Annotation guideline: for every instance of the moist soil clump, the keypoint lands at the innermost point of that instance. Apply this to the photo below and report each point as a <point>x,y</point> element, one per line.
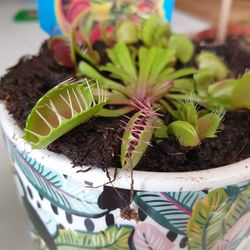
<point>97,143</point>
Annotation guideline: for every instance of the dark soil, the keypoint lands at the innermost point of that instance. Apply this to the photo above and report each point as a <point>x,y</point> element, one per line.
<point>97,143</point>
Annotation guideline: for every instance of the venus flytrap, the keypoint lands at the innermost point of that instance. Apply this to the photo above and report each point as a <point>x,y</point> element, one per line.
<point>208,60</point>
<point>60,110</point>
<point>137,136</point>
<point>154,31</point>
<point>193,126</point>
<point>232,94</point>
<point>137,79</point>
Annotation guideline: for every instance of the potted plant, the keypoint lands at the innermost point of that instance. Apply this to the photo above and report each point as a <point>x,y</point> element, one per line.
<point>144,86</point>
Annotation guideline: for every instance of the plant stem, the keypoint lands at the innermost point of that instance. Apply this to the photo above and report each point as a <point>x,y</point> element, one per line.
<point>167,107</point>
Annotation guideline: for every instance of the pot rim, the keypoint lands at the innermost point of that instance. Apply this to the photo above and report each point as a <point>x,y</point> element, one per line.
<point>234,29</point>
<point>143,180</point>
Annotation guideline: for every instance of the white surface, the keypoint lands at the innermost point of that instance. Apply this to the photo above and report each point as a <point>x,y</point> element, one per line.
<point>17,40</point>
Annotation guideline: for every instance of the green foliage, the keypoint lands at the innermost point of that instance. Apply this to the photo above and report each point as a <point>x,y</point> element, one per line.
<point>140,75</point>
<point>60,110</point>
<point>137,137</point>
<point>232,94</point>
<point>208,125</point>
<point>184,132</point>
<point>183,47</point>
<point>203,79</point>
<point>241,93</point>
<point>122,64</point>
<point>161,130</point>
<point>193,126</point>
<point>126,32</point>
<point>208,60</point>
<point>154,31</point>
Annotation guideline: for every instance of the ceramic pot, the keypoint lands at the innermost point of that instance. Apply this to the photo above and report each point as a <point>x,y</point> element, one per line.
<point>233,30</point>
<point>69,208</point>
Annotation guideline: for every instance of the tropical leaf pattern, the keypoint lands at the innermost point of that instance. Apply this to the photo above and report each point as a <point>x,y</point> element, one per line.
<point>238,208</point>
<point>172,210</point>
<point>219,223</point>
<point>213,220</point>
<point>147,237</point>
<point>49,185</point>
<point>235,235</point>
<point>115,238</point>
<point>204,229</point>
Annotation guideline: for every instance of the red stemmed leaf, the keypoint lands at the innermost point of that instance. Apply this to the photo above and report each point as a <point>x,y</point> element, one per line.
<point>60,48</point>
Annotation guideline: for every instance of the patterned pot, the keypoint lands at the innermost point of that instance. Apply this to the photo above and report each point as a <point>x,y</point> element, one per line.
<point>69,208</point>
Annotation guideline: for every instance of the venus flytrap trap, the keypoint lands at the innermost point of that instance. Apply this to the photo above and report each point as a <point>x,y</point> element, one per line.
<point>60,110</point>
<point>137,136</point>
<point>192,125</point>
<point>208,60</point>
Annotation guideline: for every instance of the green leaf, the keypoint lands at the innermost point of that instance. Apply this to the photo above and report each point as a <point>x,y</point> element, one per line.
<point>241,93</point>
<point>154,31</point>
<point>182,46</point>
<point>161,131</point>
<point>85,69</point>
<point>122,59</point>
<point>222,89</point>
<point>204,228</point>
<point>162,60</point>
<point>136,138</point>
<point>60,110</point>
<point>184,132</point>
<point>182,73</point>
<point>115,238</point>
<point>203,79</point>
<point>153,62</point>
<point>188,113</point>
<point>208,60</point>
<point>88,55</point>
<point>126,31</point>
<point>183,85</point>
<point>208,125</point>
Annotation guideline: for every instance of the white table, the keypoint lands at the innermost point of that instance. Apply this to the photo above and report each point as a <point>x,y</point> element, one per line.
<point>17,40</point>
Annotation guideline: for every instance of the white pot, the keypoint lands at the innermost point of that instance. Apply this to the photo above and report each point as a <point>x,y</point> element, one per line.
<point>69,209</point>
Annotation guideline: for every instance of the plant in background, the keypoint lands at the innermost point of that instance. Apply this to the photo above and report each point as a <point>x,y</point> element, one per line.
<point>139,79</point>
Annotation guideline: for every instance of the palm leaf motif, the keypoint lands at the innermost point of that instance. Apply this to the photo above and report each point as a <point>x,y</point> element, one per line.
<point>115,238</point>
<point>49,185</point>
<point>240,206</point>
<point>172,210</point>
<point>147,237</point>
<point>204,228</point>
<point>235,235</point>
<point>60,110</point>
